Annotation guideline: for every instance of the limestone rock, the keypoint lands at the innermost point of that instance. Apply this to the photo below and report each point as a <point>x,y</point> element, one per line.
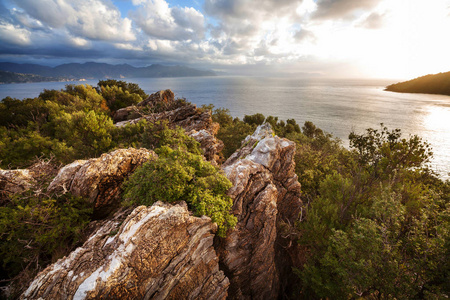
<point>158,252</point>
<point>15,181</point>
<point>211,146</point>
<point>186,116</point>
<point>164,98</point>
<point>126,113</point>
<point>265,192</point>
<point>99,179</point>
<point>196,123</point>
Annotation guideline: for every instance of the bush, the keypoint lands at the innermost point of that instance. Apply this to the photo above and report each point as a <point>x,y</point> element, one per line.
<point>377,221</point>
<point>182,176</point>
<point>38,230</point>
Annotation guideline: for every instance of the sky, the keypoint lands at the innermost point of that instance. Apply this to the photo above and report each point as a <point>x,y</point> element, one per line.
<point>329,38</point>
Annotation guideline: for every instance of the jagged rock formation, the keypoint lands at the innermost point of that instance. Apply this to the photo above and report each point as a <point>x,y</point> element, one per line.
<point>266,192</point>
<point>163,252</point>
<point>164,98</point>
<point>158,252</point>
<point>210,145</point>
<point>195,122</point>
<point>99,179</point>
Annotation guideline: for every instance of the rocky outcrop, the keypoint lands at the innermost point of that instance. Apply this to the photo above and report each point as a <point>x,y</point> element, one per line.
<point>19,181</point>
<point>211,146</point>
<point>195,122</point>
<point>158,252</point>
<point>162,98</point>
<point>15,181</point>
<point>99,179</point>
<point>266,192</point>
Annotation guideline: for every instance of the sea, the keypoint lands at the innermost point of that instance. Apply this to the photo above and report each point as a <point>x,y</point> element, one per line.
<point>338,106</point>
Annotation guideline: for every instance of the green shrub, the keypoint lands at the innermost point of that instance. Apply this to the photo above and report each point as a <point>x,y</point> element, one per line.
<point>154,135</point>
<point>36,231</point>
<point>117,98</point>
<point>179,175</point>
<point>377,221</point>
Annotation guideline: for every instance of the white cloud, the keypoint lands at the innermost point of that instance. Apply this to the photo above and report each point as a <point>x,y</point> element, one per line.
<point>160,21</point>
<point>79,42</point>
<point>15,35</point>
<point>90,19</point>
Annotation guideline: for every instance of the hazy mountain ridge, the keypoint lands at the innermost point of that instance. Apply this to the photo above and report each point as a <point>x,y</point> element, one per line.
<point>11,77</point>
<point>428,84</point>
<point>103,70</point>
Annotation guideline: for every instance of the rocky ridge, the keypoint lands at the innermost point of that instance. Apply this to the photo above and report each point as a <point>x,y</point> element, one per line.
<point>265,192</point>
<point>162,251</point>
<point>158,252</point>
<point>197,123</point>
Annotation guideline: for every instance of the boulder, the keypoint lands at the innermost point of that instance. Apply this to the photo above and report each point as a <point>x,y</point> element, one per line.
<point>265,193</point>
<point>157,252</point>
<point>99,179</point>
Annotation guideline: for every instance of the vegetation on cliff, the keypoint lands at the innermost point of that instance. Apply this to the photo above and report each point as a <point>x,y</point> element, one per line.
<point>428,84</point>
<point>375,221</point>
<point>37,227</point>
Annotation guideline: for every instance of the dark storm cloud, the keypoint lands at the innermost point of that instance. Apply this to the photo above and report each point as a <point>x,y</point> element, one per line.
<point>341,9</point>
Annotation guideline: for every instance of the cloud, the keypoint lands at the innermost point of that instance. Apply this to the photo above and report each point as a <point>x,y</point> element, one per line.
<point>246,31</point>
<point>158,20</point>
<point>374,20</point>
<point>90,19</point>
<point>12,34</point>
<point>304,35</point>
<point>342,9</point>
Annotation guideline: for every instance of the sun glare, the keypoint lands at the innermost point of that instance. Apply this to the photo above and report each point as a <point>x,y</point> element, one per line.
<point>413,42</point>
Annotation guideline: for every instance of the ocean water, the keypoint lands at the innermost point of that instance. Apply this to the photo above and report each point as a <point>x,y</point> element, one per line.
<point>337,106</point>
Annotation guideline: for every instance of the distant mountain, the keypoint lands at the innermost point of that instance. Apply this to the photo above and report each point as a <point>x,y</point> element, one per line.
<point>429,84</point>
<point>11,77</point>
<point>92,70</point>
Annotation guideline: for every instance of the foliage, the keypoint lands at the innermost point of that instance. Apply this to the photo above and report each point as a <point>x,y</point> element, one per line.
<point>72,123</point>
<point>377,222</point>
<point>154,135</point>
<point>179,175</point>
<point>131,88</point>
<point>120,94</point>
<point>36,230</point>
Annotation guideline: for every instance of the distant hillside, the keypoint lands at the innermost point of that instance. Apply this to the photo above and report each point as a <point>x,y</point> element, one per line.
<point>93,70</point>
<point>11,77</point>
<point>429,84</point>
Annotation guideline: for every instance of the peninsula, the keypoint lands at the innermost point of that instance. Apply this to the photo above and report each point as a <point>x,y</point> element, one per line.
<point>428,84</point>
